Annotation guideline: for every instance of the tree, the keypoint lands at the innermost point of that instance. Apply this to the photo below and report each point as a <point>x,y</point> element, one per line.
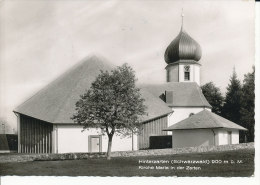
<point>113,104</point>
<point>247,110</point>
<point>232,104</point>
<point>214,96</point>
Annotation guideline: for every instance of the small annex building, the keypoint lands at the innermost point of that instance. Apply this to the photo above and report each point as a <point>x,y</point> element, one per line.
<point>203,129</point>
<point>178,113</point>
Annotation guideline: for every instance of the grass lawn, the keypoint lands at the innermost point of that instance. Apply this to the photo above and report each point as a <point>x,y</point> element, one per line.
<point>130,166</point>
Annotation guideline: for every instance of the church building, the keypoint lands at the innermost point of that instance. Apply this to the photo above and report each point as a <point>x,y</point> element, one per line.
<point>178,113</point>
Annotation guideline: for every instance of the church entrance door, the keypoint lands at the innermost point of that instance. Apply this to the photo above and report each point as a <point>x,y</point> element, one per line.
<point>95,143</point>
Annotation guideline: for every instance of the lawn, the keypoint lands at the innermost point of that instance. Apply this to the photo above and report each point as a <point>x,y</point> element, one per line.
<point>230,164</point>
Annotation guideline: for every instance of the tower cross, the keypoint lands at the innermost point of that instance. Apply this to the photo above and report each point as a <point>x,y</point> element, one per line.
<point>182,17</point>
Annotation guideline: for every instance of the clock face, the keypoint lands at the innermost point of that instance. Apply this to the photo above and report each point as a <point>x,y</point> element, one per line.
<point>187,68</point>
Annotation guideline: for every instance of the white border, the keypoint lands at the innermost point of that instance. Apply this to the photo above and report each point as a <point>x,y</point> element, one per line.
<point>12,180</point>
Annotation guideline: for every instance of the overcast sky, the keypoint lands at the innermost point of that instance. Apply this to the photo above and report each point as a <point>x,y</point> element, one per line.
<point>39,40</point>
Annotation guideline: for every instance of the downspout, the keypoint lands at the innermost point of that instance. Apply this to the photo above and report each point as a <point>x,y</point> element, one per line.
<point>214,137</point>
<point>132,141</point>
<point>56,143</point>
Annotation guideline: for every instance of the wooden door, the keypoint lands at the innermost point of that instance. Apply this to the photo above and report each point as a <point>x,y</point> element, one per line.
<point>95,144</point>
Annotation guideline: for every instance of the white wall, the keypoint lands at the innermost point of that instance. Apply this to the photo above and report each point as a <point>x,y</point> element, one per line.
<point>181,73</point>
<point>172,73</point>
<point>192,138</point>
<point>223,136</point>
<point>203,137</point>
<point>194,73</point>
<point>120,143</point>
<point>175,73</point>
<point>71,139</point>
<point>235,137</point>
<point>181,113</point>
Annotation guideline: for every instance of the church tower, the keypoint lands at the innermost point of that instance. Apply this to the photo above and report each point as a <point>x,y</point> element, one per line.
<point>182,56</point>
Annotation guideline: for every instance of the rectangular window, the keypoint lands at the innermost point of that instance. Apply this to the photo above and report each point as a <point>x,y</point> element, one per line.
<point>186,76</point>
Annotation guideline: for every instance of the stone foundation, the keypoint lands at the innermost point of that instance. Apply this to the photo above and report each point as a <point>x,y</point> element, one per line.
<point>73,156</point>
<point>170,151</point>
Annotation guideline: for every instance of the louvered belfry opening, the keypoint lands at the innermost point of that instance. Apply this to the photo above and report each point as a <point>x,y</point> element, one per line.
<point>35,135</point>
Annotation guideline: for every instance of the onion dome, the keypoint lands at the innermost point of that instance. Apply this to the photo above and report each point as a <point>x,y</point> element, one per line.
<point>183,47</point>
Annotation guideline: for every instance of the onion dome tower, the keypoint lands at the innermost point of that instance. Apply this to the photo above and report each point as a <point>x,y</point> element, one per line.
<point>182,56</point>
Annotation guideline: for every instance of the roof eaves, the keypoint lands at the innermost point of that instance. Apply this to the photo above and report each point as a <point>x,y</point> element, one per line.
<point>156,117</point>
<point>185,106</point>
<point>204,101</point>
<point>190,128</point>
<point>204,128</point>
<point>15,112</point>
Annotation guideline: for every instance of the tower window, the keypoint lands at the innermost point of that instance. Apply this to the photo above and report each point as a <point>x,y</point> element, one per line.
<point>186,76</point>
<point>186,73</point>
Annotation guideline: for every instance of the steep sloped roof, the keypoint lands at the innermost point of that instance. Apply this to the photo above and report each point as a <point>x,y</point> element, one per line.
<point>155,106</point>
<point>202,120</point>
<point>185,94</point>
<point>56,102</point>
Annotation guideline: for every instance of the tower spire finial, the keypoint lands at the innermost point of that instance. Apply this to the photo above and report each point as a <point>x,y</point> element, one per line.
<point>182,17</point>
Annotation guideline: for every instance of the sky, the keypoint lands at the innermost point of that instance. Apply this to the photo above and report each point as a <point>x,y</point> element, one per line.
<point>39,40</point>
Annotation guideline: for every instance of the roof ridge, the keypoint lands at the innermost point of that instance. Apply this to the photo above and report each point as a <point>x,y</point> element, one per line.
<point>72,90</point>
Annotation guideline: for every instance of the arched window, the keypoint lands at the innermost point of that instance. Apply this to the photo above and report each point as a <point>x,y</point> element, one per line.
<point>187,73</point>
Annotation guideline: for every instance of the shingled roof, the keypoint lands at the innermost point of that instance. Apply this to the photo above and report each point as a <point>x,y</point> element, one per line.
<point>184,94</point>
<point>202,120</point>
<point>56,102</point>
<point>155,106</point>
